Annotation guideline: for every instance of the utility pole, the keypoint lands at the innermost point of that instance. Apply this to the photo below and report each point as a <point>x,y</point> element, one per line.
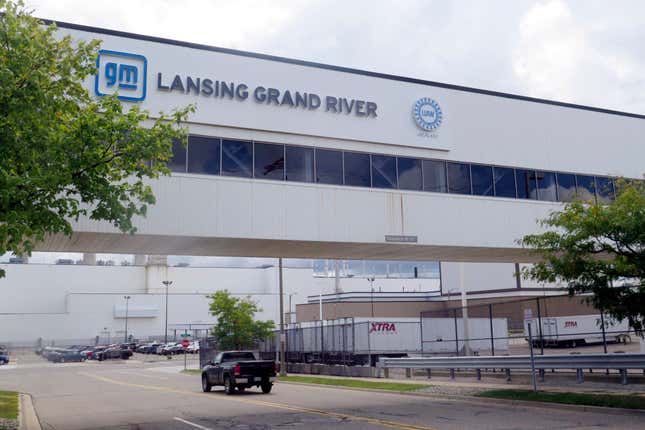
<point>283,361</point>
<point>127,299</point>
<point>165,333</point>
<point>464,309</point>
<point>371,279</point>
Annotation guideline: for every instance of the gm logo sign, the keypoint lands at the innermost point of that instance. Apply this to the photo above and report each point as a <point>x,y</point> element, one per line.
<point>122,73</point>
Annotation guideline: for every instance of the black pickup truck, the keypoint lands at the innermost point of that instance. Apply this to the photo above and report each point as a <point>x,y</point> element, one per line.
<point>238,370</point>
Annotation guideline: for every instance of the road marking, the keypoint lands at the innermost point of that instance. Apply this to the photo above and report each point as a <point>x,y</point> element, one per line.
<point>192,424</point>
<point>342,416</point>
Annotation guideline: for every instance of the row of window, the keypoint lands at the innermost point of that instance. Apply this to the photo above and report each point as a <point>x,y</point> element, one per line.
<point>214,156</point>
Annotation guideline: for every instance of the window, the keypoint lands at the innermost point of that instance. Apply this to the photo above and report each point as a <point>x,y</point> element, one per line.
<point>383,171</point>
<point>237,158</point>
<point>605,189</point>
<point>546,186</point>
<point>482,179</point>
<point>178,161</point>
<point>504,182</point>
<point>434,176</point>
<point>586,188</point>
<point>329,166</point>
<point>459,178</point>
<point>203,155</point>
<point>357,169</point>
<point>269,161</point>
<point>410,177</point>
<point>566,187</point>
<point>526,184</point>
<point>299,164</point>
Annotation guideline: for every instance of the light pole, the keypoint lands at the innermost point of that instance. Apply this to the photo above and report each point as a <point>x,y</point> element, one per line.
<point>165,333</point>
<point>127,299</point>
<point>290,307</point>
<point>371,279</point>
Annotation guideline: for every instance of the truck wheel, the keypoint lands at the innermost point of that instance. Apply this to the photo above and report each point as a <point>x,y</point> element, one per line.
<point>62,360</point>
<point>241,389</point>
<point>266,387</point>
<point>206,387</point>
<point>229,387</point>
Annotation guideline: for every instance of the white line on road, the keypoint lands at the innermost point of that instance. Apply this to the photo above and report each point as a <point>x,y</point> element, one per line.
<point>192,424</point>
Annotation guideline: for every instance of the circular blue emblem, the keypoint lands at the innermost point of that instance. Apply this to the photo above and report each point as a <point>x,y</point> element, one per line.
<point>427,114</point>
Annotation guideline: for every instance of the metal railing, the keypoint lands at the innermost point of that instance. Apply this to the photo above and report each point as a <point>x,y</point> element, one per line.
<point>578,362</point>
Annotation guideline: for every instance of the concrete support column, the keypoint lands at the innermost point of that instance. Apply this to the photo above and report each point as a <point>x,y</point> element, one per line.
<point>156,273</point>
<point>89,259</point>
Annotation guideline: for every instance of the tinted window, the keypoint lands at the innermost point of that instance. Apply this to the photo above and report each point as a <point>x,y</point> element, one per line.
<point>605,189</point>
<point>357,169</point>
<point>585,188</point>
<point>329,166</point>
<point>504,182</point>
<point>546,186</point>
<point>300,164</point>
<point>482,180</point>
<point>269,161</point>
<point>410,177</point>
<point>434,176</point>
<point>526,185</point>
<point>566,187</point>
<point>458,178</point>
<point>383,171</point>
<point>237,158</point>
<point>178,161</point>
<point>203,155</point>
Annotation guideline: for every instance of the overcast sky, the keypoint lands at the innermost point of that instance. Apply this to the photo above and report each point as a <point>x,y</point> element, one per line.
<point>585,51</point>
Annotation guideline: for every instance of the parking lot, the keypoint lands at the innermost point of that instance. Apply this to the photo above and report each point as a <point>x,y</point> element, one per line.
<point>135,394</point>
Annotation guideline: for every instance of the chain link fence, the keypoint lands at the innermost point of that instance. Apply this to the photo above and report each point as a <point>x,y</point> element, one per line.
<point>557,324</point>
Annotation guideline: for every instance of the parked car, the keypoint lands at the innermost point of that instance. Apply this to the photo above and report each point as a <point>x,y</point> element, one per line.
<point>239,370</point>
<point>66,356</point>
<point>172,349</point>
<point>113,353</point>
<point>4,358</point>
<point>163,346</point>
<point>193,348</point>
<point>90,352</point>
<point>150,348</point>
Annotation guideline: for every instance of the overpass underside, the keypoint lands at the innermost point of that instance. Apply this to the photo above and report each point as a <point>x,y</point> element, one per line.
<point>243,247</point>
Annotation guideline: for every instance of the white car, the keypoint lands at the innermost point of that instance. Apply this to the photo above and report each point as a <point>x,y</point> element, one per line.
<point>193,348</point>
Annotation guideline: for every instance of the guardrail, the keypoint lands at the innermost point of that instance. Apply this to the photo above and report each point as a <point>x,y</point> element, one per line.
<point>578,362</point>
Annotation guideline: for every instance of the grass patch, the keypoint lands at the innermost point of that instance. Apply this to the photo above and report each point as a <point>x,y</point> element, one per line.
<point>192,371</point>
<point>9,405</point>
<point>627,401</point>
<point>354,383</point>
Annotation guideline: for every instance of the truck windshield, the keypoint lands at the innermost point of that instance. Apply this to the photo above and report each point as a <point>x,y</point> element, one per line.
<point>237,356</point>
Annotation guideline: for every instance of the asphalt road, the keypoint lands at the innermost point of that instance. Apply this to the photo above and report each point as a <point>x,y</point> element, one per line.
<point>135,395</point>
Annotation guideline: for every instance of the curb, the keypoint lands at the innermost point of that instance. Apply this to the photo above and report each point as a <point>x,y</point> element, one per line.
<point>485,400</point>
<point>28,419</point>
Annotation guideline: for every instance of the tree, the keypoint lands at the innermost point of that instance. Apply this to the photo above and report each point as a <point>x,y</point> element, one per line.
<point>236,327</point>
<point>600,249</point>
<point>63,153</point>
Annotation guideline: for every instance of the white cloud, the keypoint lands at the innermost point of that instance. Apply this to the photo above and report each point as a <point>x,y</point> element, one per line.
<point>583,52</point>
<point>561,55</point>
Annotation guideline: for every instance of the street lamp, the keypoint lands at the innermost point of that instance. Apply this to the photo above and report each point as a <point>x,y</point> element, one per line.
<point>127,299</point>
<point>165,336</point>
<point>371,279</point>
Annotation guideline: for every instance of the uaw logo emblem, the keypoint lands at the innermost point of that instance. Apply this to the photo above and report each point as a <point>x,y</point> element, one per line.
<point>121,73</point>
<point>427,114</point>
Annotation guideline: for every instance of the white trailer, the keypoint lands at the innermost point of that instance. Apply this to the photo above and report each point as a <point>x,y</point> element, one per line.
<point>576,330</point>
<point>439,335</point>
